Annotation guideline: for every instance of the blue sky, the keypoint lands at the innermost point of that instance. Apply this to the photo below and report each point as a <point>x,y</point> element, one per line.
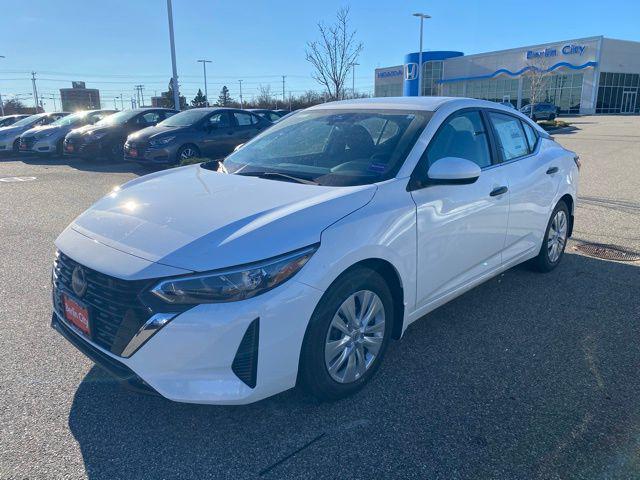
<point>116,44</point>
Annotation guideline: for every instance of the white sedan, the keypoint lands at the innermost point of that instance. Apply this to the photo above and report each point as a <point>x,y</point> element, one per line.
<point>313,246</point>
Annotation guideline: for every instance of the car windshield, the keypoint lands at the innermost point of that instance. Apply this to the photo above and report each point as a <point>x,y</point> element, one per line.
<point>332,147</point>
<point>186,118</point>
<point>28,121</point>
<point>72,119</point>
<point>118,118</point>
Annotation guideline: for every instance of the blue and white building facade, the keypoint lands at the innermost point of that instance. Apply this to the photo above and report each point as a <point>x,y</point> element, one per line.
<point>581,76</point>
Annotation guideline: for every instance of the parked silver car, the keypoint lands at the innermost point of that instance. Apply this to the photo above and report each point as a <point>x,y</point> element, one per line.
<point>48,139</point>
<point>10,136</point>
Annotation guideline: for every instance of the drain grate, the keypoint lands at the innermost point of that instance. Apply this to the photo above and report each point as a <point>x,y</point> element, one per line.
<point>608,252</point>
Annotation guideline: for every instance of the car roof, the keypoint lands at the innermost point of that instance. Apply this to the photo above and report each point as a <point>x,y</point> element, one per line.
<point>429,104</point>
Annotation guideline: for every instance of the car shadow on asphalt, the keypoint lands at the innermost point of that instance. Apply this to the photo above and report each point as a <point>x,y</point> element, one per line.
<point>96,165</point>
<point>526,376</point>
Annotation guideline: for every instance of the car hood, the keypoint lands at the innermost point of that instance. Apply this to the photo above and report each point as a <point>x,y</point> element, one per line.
<point>196,219</point>
<point>89,129</point>
<point>149,133</point>
<point>44,128</point>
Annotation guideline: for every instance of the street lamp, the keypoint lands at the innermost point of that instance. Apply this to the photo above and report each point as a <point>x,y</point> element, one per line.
<point>204,68</point>
<point>353,78</point>
<point>422,17</point>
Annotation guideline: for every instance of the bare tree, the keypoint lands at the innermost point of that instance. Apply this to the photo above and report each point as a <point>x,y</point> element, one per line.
<point>334,54</point>
<point>264,99</point>
<point>538,73</point>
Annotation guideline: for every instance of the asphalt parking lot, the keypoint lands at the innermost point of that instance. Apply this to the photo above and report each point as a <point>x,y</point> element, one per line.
<point>527,376</point>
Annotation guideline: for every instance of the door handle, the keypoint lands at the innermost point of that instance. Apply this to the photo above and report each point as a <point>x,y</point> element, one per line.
<point>552,170</point>
<point>498,191</point>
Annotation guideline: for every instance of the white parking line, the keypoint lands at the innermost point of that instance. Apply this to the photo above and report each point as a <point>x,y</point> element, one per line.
<point>17,179</point>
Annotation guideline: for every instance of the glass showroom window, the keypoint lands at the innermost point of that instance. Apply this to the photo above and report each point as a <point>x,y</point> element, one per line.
<point>498,89</point>
<point>453,89</point>
<point>564,91</point>
<point>389,90</point>
<point>618,93</point>
<point>431,76</point>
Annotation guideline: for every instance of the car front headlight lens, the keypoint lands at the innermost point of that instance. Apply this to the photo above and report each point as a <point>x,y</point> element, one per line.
<point>158,142</point>
<point>232,285</point>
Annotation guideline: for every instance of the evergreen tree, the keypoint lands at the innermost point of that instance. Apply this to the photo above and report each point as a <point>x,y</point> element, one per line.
<point>224,99</point>
<point>167,98</point>
<point>199,100</point>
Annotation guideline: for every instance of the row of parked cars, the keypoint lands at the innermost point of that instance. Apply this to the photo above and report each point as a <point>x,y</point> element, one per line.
<point>146,135</point>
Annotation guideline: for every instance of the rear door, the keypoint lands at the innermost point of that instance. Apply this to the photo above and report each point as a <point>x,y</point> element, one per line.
<point>217,135</point>
<point>247,125</point>
<point>533,179</point>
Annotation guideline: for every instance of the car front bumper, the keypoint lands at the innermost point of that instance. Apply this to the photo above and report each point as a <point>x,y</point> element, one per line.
<point>45,145</point>
<point>151,155</point>
<point>191,359</point>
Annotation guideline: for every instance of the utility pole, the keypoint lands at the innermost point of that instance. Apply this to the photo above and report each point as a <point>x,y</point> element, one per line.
<point>121,101</point>
<point>133,103</point>
<point>241,102</point>
<point>1,103</point>
<point>174,79</point>
<point>353,79</point>
<point>204,68</point>
<point>283,99</point>
<point>422,16</point>
<point>35,90</point>
<point>140,95</point>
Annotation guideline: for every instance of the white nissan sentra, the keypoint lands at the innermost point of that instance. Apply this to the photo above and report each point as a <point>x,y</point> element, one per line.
<point>310,248</point>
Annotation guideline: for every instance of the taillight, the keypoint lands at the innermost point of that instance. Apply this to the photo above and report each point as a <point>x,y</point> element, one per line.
<point>576,159</point>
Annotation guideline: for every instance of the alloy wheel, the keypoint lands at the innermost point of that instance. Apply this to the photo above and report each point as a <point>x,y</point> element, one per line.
<point>557,236</point>
<point>187,153</point>
<point>355,336</point>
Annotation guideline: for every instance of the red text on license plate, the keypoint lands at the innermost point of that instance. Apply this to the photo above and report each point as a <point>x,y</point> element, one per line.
<point>76,314</point>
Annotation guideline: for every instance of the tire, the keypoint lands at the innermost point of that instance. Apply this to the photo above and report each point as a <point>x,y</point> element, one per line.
<point>361,351</point>
<point>16,146</point>
<point>186,152</point>
<point>547,258</point>
<point>59,149</point>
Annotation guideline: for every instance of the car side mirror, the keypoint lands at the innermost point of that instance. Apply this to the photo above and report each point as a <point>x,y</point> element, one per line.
<point>238,147</point>
<point>453,171</point>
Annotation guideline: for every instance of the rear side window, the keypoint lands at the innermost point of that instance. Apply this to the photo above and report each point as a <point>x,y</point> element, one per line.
<point>512,141</point>
<point>246,119</point>
<point>462,136</point>
<point>531,135</point>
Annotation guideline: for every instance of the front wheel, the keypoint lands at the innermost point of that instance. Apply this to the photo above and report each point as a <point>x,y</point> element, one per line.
<point>555,240</point>
<point>347,336</point>
<point>186,153</point>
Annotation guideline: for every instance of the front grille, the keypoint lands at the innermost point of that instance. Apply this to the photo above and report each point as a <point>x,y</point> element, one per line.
<point>116,312</point>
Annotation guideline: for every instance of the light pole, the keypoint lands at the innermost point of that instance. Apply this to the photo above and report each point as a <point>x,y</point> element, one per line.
<point>353,78</point>
<point>204,69</point>
<point>422,17</point>
<point>174,79</point>
<point>1,104</point>
<point>241,101</point>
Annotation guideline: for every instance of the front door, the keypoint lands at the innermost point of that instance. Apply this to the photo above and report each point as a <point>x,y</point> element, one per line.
<point>461,228</point>
<point>628,101</point>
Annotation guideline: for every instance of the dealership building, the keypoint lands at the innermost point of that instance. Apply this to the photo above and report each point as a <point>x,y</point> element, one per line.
<point>585,75</point>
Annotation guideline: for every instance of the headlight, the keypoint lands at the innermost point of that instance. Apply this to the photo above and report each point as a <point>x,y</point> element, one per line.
<point>233,284</point>
<point>157,142</point>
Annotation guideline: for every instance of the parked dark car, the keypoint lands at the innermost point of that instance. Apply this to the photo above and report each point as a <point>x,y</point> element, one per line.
<point>206,132</point>
<point>271,115</point>
<point>541,111</point>
<point>48,139</point>
<point>106,138</point>
<point>11,119</point>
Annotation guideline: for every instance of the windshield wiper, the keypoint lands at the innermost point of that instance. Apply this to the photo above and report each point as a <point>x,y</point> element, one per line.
<point>284,176</point>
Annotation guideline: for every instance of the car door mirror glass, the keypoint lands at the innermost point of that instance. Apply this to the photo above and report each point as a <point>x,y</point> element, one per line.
<point>453,170</point>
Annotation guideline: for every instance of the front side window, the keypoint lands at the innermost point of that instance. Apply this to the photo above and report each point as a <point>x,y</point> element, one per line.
<point>220,119</point>
<point>462,136</point>
<point>512,142</point>
<point>332,146</point>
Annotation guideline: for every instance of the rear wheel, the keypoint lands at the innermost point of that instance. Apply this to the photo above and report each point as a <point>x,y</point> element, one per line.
<point>347,336</point>
<point>555,240</point>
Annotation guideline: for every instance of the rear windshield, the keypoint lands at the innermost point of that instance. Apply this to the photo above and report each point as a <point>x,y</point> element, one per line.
<point>333,147</point>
